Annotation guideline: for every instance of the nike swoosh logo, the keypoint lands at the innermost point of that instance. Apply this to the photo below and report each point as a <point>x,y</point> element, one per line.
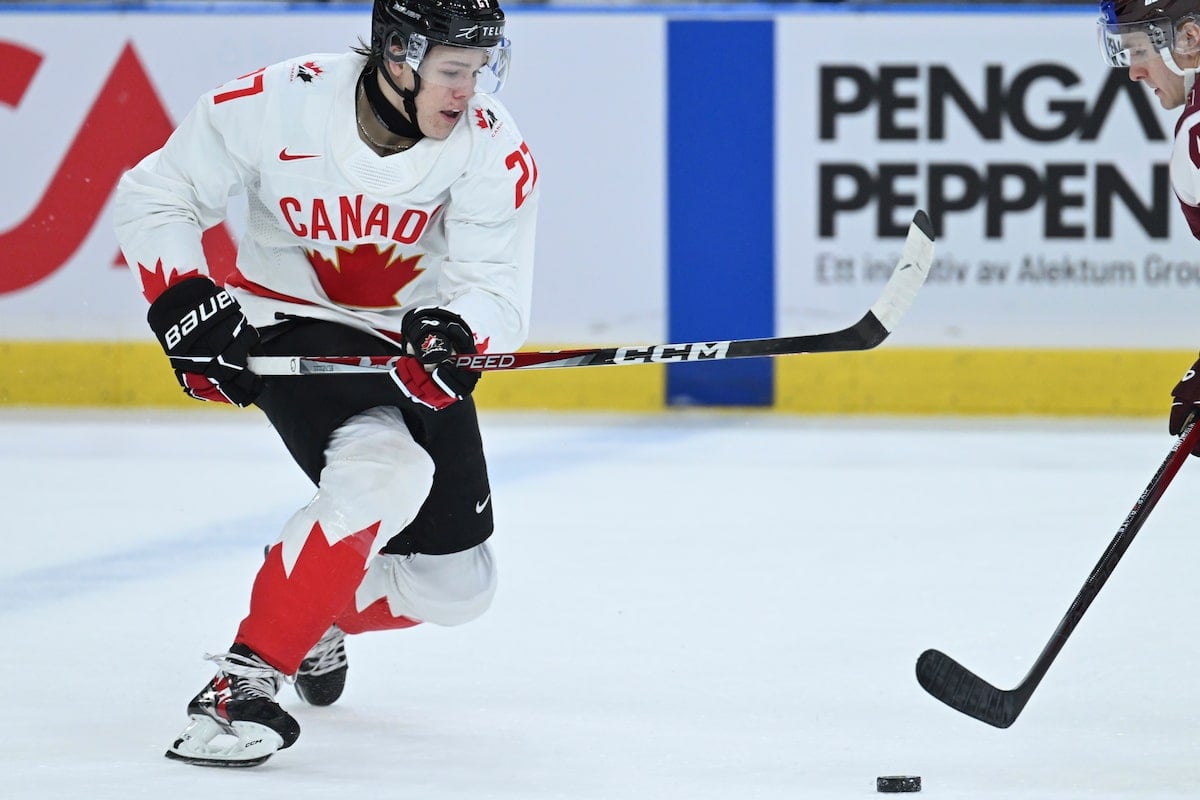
<point>284,155</point>
<point>479,507</point>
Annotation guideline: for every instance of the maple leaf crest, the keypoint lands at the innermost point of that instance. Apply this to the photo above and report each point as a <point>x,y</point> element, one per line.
<point>485,119</point>
<point>365,276</point>
<point>307,72</point>
<point>157,281</point>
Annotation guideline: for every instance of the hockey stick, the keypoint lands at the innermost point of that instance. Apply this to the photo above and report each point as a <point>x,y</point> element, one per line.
<point>899,293</point>
<point>964,691</point>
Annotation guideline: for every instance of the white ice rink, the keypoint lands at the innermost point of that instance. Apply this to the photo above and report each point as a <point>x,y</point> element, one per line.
<point>693,607</point>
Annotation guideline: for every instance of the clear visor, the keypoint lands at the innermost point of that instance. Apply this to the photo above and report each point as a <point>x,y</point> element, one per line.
<point>1129,43</point>
<point>463,69</point>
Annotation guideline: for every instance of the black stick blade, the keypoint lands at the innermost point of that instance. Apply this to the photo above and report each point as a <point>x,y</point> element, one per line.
<point>964,691</point>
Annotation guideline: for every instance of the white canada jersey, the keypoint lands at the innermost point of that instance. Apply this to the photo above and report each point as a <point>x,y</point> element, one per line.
<point>333,230</point>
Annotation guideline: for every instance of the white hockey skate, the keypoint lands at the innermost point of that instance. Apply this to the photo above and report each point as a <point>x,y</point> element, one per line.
<point>207,743</point>
<point>234,720</point>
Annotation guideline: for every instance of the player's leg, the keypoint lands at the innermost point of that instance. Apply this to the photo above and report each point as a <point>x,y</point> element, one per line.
<point>401,591</point>
<point>456,515</point>
<point>438,569</point>
<point>374,481</point>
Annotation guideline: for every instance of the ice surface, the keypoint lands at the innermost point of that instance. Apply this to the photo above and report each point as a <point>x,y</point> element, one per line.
<point>691,606</point>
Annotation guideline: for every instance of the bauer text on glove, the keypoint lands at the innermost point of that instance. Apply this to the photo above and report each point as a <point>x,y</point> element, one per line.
<point>203,331</point>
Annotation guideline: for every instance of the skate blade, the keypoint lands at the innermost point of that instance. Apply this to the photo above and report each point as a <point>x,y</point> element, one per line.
<point>207,743</point>
<point>216,762</point>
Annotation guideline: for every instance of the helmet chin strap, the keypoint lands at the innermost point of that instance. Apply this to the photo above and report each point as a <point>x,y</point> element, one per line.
<point>1189,73</point>
<point>1169,60</point>
<point>391,118</point>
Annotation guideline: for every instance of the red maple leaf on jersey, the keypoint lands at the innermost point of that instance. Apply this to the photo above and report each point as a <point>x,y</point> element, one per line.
<point>365,276</point>
<point>157,281</point>
<point>300,588</point>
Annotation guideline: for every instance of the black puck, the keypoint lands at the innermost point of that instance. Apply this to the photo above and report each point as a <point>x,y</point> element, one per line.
<point>898,783</point>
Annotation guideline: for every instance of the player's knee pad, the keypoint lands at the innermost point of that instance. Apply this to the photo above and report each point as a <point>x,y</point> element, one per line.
<point>449,589</point>
<point>374,473</point>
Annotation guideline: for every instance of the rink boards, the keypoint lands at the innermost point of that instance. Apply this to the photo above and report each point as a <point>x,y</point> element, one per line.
<point>706,174</point>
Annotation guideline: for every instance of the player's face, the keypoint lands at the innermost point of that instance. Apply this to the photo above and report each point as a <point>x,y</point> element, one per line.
<point>447,83</point>
<point>1167,86</point>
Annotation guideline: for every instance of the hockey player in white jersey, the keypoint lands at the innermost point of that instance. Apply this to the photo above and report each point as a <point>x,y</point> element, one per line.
<point>1158,41</point>
<point>391,211</point>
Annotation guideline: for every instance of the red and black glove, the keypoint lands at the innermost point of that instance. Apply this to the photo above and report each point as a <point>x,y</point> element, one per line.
<point>206,336</point>
<point>1187,401</point>
<point>429,377</point>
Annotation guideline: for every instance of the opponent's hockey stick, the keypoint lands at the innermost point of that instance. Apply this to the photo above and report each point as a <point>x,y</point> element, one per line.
<point>964,691</point>
<point>899,293</point>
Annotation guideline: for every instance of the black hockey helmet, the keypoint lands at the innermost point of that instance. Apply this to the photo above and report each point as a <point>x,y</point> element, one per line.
<point>1132,31</point>
<point>1126,11</point>
<point>403,31</point>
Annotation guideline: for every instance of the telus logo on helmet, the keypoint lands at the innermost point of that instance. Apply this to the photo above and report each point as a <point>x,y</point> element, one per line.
<point>476,31</point>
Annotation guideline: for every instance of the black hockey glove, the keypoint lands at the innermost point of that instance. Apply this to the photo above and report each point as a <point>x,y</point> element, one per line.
<point>434,336</point>
<point>205,335</point>
<point>1187,401</point>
